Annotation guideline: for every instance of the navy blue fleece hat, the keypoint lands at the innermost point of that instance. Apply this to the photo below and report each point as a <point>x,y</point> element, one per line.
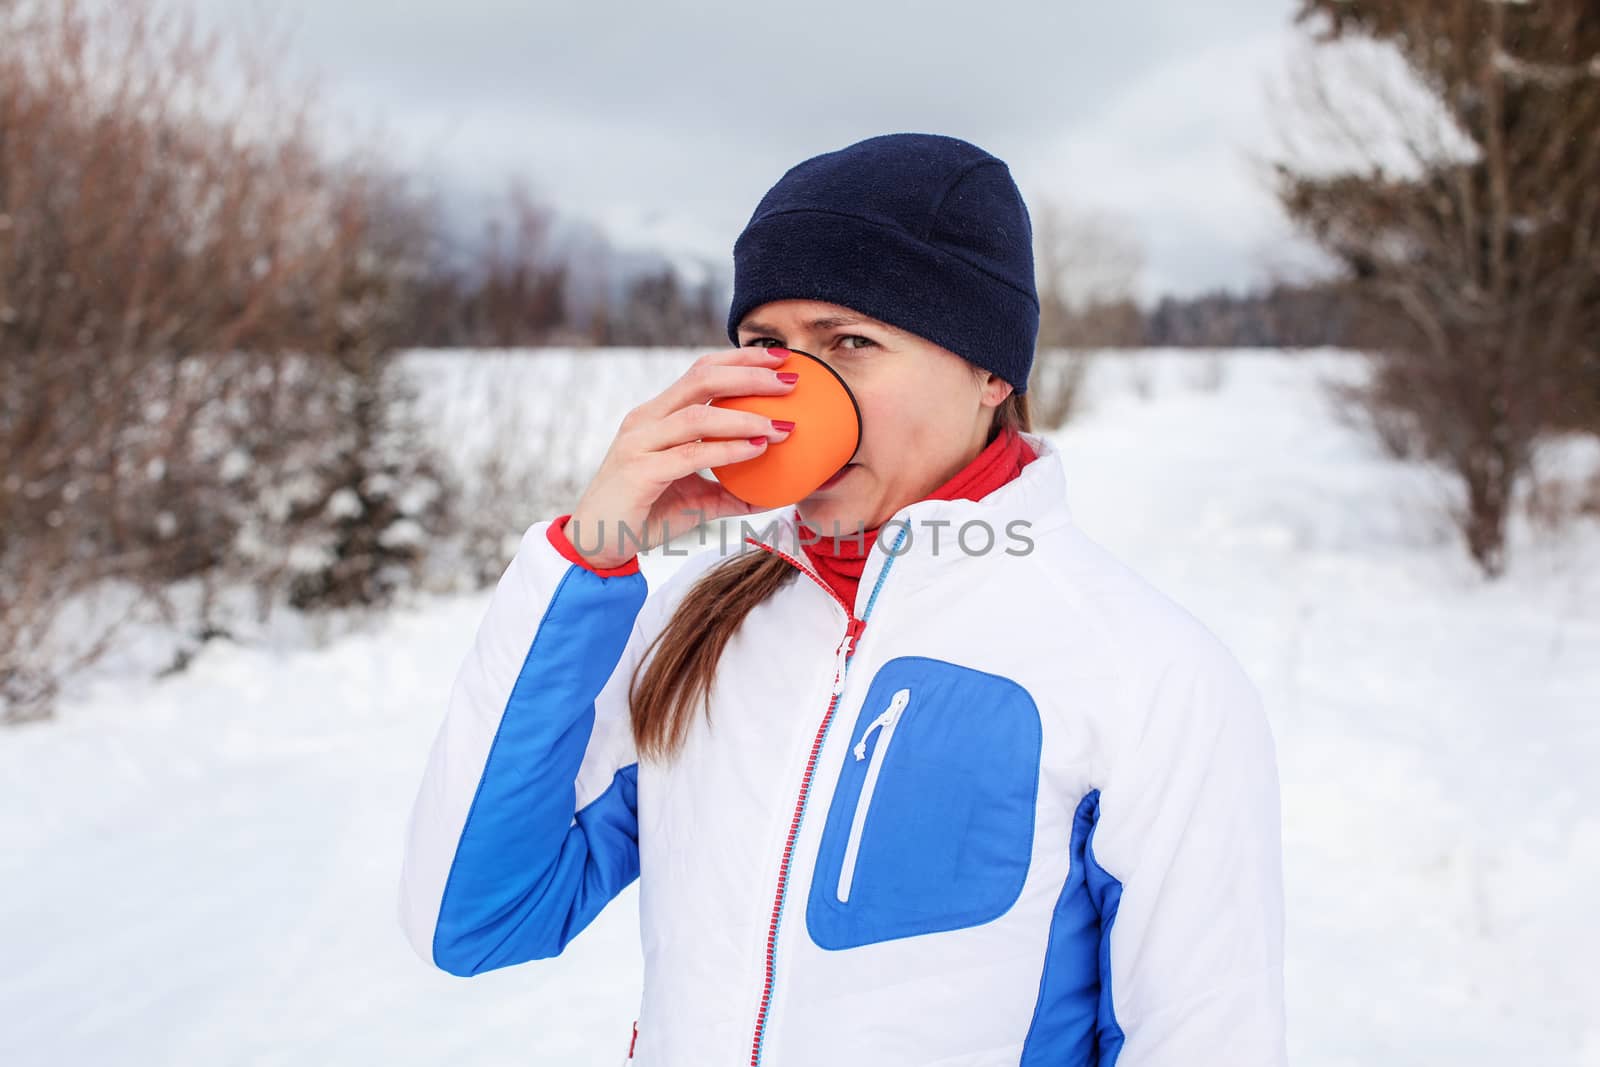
<point>922,231</point>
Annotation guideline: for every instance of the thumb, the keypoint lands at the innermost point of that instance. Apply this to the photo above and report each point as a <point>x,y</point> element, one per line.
<point>712,501</point>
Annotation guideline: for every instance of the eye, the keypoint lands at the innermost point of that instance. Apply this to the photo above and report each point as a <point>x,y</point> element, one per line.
<point>773,342</point>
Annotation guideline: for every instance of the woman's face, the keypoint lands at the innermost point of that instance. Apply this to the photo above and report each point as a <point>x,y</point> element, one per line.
<point>925,411</point>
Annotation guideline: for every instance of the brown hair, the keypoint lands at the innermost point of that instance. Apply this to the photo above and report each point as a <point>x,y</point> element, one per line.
<point>666,686</point>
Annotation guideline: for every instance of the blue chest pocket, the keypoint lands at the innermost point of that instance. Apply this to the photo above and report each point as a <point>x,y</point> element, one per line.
<point>931,823</point>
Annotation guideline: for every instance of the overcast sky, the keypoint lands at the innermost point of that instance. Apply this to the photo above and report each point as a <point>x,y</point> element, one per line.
<point>665,120</point>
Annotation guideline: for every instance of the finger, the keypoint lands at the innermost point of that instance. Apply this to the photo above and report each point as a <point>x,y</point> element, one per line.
<point>712,501</point>
<point>700,421</point>
<point>736,372</point>
<point>674,463</point>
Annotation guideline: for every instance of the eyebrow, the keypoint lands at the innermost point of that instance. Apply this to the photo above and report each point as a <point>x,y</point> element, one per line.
<point>827,322</point>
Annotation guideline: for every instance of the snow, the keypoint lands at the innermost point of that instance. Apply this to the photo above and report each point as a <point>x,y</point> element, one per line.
<point>343,503</point>
<point>201,868</point>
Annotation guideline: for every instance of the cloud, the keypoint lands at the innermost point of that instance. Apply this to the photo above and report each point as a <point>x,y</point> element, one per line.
<point>1172,155</point>
<point>625,111</point>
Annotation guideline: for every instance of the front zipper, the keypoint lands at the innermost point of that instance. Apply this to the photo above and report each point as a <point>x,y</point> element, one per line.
<point>853,630</point>
<point>884,724</point>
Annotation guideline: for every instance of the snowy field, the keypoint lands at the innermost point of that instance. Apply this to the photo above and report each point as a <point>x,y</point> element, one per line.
<point>201,869</point>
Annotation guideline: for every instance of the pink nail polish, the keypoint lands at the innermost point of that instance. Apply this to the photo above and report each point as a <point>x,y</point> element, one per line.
<point>782,425</point>
<point>788,377</point>
<point>758,440</point>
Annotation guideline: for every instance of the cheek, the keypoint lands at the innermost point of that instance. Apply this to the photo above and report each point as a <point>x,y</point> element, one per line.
<point>900,413</point>
<point>888,428</point>
<point>909,423</point>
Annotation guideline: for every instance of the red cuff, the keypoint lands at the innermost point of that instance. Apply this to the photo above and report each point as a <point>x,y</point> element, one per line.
<point>557,533</point>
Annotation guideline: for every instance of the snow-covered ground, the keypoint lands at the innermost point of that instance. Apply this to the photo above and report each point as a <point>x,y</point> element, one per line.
<point>201,869</point>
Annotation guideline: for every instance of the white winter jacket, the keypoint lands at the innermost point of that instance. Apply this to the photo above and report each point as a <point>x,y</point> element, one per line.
<point>1013,806</point>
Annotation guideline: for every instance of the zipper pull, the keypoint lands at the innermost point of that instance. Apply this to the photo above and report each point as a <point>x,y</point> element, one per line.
<point>847,646</point>
<point>885,722</point>
<point>886,718</point>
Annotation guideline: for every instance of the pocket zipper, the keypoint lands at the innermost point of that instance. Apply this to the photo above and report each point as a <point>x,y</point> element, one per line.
<point>885,724</point>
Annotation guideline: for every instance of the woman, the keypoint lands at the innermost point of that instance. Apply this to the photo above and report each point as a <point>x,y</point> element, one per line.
<point>970,792</point>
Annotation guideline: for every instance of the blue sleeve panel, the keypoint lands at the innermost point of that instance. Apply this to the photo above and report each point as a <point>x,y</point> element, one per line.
<point>529,872</point>
<point>1073,1021</point>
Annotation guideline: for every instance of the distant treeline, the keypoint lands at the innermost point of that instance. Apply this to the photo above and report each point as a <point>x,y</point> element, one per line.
<point>507,303</point>
<point>1280,317</point>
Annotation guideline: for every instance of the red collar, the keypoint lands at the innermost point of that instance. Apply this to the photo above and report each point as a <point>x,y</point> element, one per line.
<point>839,560</point>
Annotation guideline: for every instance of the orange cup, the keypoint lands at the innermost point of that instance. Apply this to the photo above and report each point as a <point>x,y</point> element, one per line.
<point>826,434</point>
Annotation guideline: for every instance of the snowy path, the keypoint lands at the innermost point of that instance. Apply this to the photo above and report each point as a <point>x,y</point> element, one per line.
<point>202,869</point>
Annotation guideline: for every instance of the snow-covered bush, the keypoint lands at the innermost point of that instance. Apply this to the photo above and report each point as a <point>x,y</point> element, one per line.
<point>197,302</point>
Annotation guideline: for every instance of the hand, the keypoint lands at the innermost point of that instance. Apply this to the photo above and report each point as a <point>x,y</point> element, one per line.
<point>648,481</point>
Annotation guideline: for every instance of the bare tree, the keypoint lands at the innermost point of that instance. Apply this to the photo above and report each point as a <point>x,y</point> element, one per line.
<point>1087,267</point>
<point>1086,270</point>
<point>1454,172</point>
<point>504,288</point>
<point>183,272</point>
<point>658,308</point>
